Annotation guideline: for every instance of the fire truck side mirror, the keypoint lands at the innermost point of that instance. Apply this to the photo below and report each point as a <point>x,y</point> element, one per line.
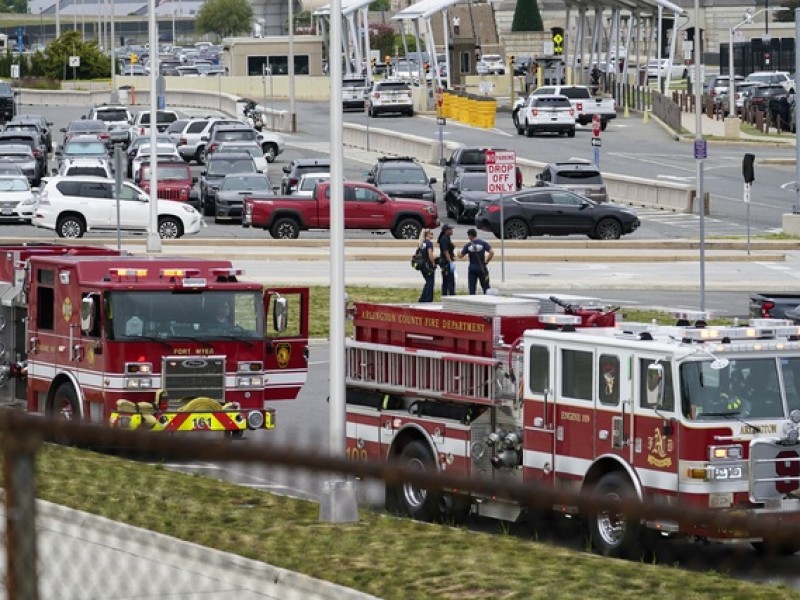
<point>280,313</point>
<point>89,314</point>
<point>655,385</point>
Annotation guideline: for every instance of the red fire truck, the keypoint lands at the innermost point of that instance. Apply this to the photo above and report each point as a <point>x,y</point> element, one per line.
<point>164,343</point>
<point>490,387</point>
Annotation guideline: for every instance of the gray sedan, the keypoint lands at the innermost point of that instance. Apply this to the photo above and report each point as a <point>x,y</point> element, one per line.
<point>234,189</point>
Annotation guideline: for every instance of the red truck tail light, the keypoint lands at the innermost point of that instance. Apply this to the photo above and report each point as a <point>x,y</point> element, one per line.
<point>292,182</point>
<point>766,308</point>
<point>183,141</point>
<point>579,106</point>
<point>104,136</point>
<point>212,147</point>
<point>141,130</point>
<point>535,111</point>
<point>493,208</point>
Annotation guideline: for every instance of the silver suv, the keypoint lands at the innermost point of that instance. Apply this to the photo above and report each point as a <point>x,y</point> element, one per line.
<point>580,177</point>
<point>118,119</point>
<point>390,96</point>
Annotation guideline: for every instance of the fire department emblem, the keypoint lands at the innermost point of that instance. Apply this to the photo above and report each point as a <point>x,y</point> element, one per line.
<point>283,353</point>
<point>659,448</point>
<point>66,309</point>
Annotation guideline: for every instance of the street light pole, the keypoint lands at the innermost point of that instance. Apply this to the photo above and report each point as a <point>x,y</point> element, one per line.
<point>748,20</point>
<point>292,115</point>
<point>114,94</point>
<point>699,150</point>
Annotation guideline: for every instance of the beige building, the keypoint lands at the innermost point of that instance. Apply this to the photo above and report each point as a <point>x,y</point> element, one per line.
<point>250,56</point>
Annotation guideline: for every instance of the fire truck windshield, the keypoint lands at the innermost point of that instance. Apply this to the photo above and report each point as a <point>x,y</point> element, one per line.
<point>752,388</point>
<point>164,315</point>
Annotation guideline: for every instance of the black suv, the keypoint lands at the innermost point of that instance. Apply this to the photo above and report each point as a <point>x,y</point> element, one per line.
<point>301,166</point>
<point>402,177</point>
<point>7,104</point>
<point>580,177</point>
<point>217,167</point>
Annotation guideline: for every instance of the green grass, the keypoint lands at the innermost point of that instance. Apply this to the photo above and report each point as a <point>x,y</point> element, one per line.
<point>386,556</point>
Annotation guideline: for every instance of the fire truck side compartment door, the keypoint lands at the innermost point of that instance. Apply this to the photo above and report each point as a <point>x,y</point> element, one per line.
<point>575,384</point>
<point>540,407</point>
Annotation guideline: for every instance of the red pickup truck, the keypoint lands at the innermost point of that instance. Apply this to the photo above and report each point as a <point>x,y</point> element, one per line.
<point>365,207</point>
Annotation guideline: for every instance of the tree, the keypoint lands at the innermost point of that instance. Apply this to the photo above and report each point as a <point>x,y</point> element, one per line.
<point>224,17</point>
<point>786,15</point>
<point>527,16</point>
<point>381,37</point>
<point>94,63</point>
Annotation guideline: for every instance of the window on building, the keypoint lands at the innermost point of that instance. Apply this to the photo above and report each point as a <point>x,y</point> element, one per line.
<point>277,65</point>
<point>576,374</point>
<point>465,62</point>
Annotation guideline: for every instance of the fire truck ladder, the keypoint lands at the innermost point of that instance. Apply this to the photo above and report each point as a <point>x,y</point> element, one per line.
<point>406,371</point>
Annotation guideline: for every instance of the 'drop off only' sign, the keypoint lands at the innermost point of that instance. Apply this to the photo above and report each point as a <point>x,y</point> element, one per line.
<point>501,171</point>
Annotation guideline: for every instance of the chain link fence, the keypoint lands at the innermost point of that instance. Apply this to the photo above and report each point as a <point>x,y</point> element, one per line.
<point>109,538</point>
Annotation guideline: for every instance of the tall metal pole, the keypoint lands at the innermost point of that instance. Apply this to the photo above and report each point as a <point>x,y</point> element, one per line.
<point>114,94</point>
<point>797,133</point>
<point>292,114</point>
<point>731,77</point>
<point>339,503</point>
<point>699,150</point>
<point>153,240</point>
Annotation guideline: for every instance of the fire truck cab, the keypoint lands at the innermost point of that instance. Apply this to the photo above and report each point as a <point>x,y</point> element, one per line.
<point>162,343</point>
<point>489,387</point>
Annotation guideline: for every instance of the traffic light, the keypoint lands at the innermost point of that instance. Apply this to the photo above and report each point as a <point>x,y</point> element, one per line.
<point>373,62</point>
<point>748,172</point>
<point>511,61</point>
<point>427,68</point>
<point>134,58</point>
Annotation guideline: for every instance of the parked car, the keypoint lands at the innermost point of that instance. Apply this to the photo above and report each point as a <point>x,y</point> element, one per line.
<point>21,157</point>
<point>141,123</point>
<point>552,211</point>
<point>84,127</point>
<point>308,181</point>
<point>95,167</point>
<point>299,166</point>
<point>390,96</point>
<point>761,96</point>
<point>34,141</point>
<point>742,93</point>
<point>165,152</point>
<point>491,64</point>
<point>117,118</point>
<point>464,196</point>
<point>251,148</point>
<point>71,206</point>
<point>714,84</point>
<point>188,137</point>
<point>230,195</point>
<point>782,78</point>
<point>580,177</point>
<point>133,148</point>
<point>15,196</point>
<point>220,165</point>
<point>45,127</point>
<point>175,181</point>
<point>402,177</point>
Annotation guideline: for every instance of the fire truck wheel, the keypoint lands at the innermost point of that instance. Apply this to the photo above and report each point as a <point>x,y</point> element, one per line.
<point>407,229</point>
<point>413,501</point>
<point>612,534</point>
<point>65,403</point>
<point>285,228</point>
<point>70,226</point>
<point>169,228</point>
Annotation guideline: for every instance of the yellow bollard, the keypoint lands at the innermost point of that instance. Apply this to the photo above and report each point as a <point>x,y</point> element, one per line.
<point>646,118</point>
<point>626,113</point>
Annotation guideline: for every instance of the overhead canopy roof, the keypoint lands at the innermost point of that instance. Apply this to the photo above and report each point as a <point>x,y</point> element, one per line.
<point>348,7</point>
<point>423,8</point>
<point>640,6</point>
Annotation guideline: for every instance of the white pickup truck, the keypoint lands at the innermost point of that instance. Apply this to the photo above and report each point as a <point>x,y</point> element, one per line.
<point>583,103</point>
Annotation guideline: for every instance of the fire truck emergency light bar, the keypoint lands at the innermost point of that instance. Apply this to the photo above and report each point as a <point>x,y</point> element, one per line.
<point>741,333</point>
<point>559,319</point>
<point>227,272</point>
<point>121,272</point>
<point>178,272</point>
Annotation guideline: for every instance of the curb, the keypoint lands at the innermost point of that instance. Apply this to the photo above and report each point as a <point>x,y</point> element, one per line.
<point>245,573</point>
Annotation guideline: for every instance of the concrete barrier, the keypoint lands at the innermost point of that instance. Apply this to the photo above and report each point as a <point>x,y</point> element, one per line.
<point>622,189</point>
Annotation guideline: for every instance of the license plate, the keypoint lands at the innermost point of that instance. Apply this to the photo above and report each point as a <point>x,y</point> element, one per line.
<point>7,212</point>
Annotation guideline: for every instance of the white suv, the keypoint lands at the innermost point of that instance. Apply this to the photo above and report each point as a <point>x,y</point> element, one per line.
<point>94,167</point>
<point>71,206</point>
<point>390,96</point>
<point>119,120</point>
<point>141,123</point>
